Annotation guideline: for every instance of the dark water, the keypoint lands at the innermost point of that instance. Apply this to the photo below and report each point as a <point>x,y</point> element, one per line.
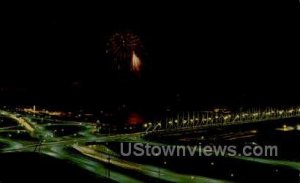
<point>283,134</point>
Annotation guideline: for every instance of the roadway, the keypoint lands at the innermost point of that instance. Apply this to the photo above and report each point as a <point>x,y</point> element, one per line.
<point>73,147</point>
<point>49,143</point>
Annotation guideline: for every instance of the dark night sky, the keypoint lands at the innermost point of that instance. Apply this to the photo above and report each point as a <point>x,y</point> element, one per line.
<point>214,53</point>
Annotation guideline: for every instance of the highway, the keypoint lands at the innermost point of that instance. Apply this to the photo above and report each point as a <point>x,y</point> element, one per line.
<point>58,147</point>
<point>59,139</point>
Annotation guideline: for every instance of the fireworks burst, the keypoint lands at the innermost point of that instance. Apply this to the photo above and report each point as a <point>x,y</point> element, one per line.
<point>135,63</point>
<point>125,49</point>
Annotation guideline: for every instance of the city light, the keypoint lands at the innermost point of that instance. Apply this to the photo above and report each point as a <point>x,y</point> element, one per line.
<point>87,141</point>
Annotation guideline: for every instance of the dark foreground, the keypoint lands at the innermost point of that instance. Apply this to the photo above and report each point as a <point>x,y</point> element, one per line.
<point>33,167</point>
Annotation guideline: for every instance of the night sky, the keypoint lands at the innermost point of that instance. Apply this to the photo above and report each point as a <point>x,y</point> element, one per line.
<point>196,55</point>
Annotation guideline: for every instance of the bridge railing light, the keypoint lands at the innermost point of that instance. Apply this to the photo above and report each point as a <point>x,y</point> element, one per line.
<point>226,117</point>
<point>245,115</point>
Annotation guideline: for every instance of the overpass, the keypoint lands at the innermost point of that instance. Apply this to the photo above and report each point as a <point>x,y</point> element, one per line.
<point>203,119</point>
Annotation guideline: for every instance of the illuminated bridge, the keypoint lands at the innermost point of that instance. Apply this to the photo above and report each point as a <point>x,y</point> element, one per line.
<point>198,120</point>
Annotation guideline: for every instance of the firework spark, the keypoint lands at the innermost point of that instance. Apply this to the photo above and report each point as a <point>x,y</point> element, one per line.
<point>135,63</point>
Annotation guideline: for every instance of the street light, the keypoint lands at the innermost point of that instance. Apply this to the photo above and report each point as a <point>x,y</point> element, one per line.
<point>244,115</point>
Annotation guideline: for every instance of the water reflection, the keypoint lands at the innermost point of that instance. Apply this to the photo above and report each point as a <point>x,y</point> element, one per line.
<point>285,128</point>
